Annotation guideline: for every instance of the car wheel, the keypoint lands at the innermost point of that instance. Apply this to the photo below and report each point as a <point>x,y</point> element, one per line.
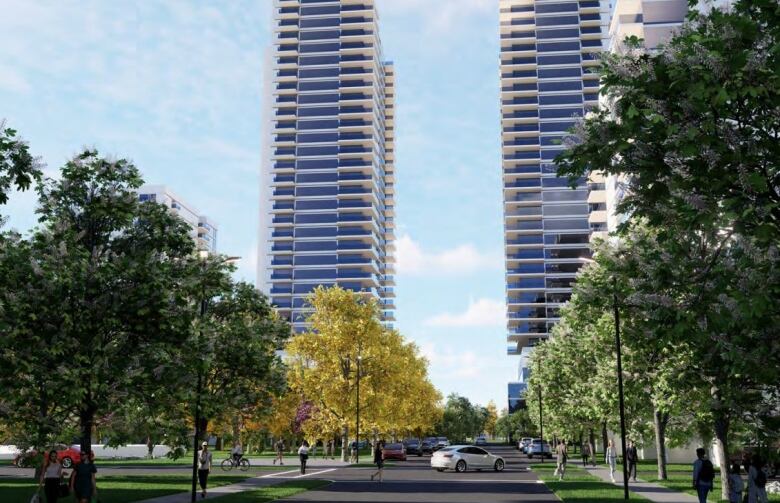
<point>499,466</point>
<point>67,462</point>
<point>460,466</point>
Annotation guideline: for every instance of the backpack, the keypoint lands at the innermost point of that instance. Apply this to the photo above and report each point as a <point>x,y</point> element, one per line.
<point>761,478</point>
<point>707,473</point>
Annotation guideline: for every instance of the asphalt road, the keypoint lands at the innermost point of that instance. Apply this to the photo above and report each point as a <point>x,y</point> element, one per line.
<point>415,481</point>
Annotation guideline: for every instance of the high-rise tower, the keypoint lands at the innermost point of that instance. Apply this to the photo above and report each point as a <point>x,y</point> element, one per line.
<point>549,55</point>
<point>328,165</point>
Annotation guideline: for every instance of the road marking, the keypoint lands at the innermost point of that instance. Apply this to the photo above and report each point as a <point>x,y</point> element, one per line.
<point>391,481</point>
<point>276,474</point>
<point>314,473</point>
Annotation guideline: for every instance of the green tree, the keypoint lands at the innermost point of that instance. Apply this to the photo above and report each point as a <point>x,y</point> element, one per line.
<point>461,419</point>
<point>18,168</point>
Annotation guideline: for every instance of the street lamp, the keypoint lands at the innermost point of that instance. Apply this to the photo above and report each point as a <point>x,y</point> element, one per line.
<point>541,428</point>
<point>616,310</point>
<point>203,255</point>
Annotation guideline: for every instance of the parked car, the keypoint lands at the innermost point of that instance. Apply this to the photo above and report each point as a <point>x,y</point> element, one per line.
<point>481,440</point>
<point>441,442</point>
<point>538,448</point>
<point>414,446</point>
<point>465,457</point>
<point>523,443</point>
<point>67,455</point>
<point>394,451</point>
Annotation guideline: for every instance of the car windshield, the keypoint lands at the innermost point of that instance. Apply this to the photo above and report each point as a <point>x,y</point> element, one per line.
<point>394,447</point>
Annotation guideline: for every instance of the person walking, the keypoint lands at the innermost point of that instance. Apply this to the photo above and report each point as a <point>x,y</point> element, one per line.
<point>279,448</point>
<point>757,481</point>
<point>585,452</point>
<point>379,460</point>
<point>561,456</point>
<point>353,452</point>
<point>736,485</point>
<point>51,475</point>
<point>204,468</point>
<point>303,455</point>
<point>610,454</point>
<point>632,457</point>
<point>703,475</point>
<point>329,448</point>
<point>83,483</point>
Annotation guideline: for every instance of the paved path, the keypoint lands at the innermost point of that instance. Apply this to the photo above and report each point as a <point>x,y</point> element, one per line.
<point>649,490</point>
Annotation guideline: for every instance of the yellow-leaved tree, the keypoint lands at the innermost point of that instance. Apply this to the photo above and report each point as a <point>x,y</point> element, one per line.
<point>347,342</point>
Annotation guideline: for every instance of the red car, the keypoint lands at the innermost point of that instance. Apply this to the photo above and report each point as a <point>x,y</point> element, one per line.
<point>394,451</point>
<point>68,456</point>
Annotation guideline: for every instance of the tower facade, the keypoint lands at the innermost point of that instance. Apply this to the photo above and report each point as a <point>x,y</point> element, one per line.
<point>327,194</point>
<point>549,56</point>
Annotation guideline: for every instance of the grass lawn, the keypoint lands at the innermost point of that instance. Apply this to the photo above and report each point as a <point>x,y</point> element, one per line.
<point>579,486</point>
<point>680,479</point>
<point>271,493</point>
<point>118,489</point>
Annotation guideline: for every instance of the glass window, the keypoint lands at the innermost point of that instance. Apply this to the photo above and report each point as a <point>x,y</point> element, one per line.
<point>564,59</point>
<point>565,209</point>
<point>318,60</point>
<point>573,223</point>
<point>318,124</point>
<point>316,191</point>
<point>329,47</point>
<point>319,85</point>
<point>316,177</point>
<point>324,9</point>
<point>558,46</point>
<point>560,282</point>
<point>316,218</point>
<point>318,137</point>
<point>551,73</point>
<point>317,111</point>
<point>558,33</point>
<point>317,164</point>
<point>558,297</point>
<point>557,127</point>
<point>310,151</point>
<point>315,273</point>
<point>546,8</point>
<point>313,73</point>
<point>565,195</point>
<point>560,113</point>
<point>320,22</point>
<point>315,245</point>
<point>556,268</point>
<point>318,98</point>
<point>557,20</point>
<point>566,239</point>
<point>323,204</point>
<point>548,141</point>
<point>559,182</point>
<point>315,232</point>
<point>558,99</point>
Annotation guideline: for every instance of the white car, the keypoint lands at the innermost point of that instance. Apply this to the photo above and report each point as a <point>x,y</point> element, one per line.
<point>465,457</point>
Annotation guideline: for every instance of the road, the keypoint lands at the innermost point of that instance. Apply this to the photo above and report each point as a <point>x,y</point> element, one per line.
<point>414,481</point>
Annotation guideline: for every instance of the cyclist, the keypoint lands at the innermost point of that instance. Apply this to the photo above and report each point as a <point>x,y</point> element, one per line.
<point>237,452</point>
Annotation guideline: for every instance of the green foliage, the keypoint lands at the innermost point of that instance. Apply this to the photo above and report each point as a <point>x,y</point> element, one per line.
<point>18,168</point>
<point>461,419</point>
<point>515,425</point>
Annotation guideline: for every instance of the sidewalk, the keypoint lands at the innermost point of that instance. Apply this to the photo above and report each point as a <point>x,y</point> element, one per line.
<point>246,485</point>
<point>649,490</point>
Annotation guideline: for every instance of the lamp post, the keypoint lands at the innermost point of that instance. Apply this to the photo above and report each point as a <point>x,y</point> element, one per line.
<point>621,401</point>
<point>203,255</point>
<point>541,427</point>
<point>357,421</point>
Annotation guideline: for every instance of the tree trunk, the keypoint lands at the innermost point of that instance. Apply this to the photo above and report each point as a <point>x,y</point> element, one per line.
<point>592,443</point>
<point>87,421</point>
<point>149,447</point>
<point>722,448</point>
<point>604,440</point>
<point>236,424</point>
<point>660,420</point>
<point>344,446</point>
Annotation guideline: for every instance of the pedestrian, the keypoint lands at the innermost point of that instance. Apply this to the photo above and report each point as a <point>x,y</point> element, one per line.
<point>353,452</point>
<point>204,467</point>
<point>757,481</point>
<point>632,457</point>
<point>585,451</point>
<point>51,475</point>
<point>329,448</point>
<point>611,457</point>
<point>237,452</point>
<point>83,483</point>
<point>703,475</point>
<point>303,455</point>
<point>736,486</point>
<point>379,460</point>
<point>279,447</point>
<point>561,456</point>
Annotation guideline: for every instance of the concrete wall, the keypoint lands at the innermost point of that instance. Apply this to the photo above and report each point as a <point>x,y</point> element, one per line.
<point>102,451</point>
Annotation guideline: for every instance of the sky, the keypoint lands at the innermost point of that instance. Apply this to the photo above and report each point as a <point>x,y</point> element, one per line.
<point>175,86</point>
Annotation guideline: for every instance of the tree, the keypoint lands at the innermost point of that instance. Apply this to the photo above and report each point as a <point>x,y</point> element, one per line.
<point>461,419</point>
<point>18,168</point>
<point>108,264</point>
<point>395,393</point>
<point>491,418</point>
<point>516,424</point>
<point>693,127</point>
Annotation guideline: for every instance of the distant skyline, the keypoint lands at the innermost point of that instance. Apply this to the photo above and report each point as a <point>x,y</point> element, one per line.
<point>176,87</point>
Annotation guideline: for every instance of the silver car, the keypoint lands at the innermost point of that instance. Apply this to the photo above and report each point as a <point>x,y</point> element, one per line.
<point>465,457</point>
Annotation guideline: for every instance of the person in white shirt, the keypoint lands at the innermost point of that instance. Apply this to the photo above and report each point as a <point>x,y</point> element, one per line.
<point>237,452</point>
<point>303,454</point>
<point>204,467</point>
<point>51,476</point>
<point>611,456</point>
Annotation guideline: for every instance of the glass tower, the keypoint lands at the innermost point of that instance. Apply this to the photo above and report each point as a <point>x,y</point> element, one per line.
<point>328,169</point>
<point>549,56</point>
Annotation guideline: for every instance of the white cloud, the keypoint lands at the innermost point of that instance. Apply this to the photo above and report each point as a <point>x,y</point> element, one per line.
<point>447,363</point>
<point>462,259</point>
<point>479,313</point>
<point>12,81</point>
<point>439,16</point>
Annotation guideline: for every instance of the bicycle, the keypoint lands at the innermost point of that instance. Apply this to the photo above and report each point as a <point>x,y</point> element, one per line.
<point>230,463</point>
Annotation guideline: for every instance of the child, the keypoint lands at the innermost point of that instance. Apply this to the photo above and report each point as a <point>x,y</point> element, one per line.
<point>737,486</point>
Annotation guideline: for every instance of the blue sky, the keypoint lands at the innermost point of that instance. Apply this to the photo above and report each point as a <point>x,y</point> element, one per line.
<point>176,87</point>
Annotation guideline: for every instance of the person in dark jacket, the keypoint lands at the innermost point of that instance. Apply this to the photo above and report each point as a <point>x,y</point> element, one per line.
<point>379,460</point>
<point>632,456</point>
